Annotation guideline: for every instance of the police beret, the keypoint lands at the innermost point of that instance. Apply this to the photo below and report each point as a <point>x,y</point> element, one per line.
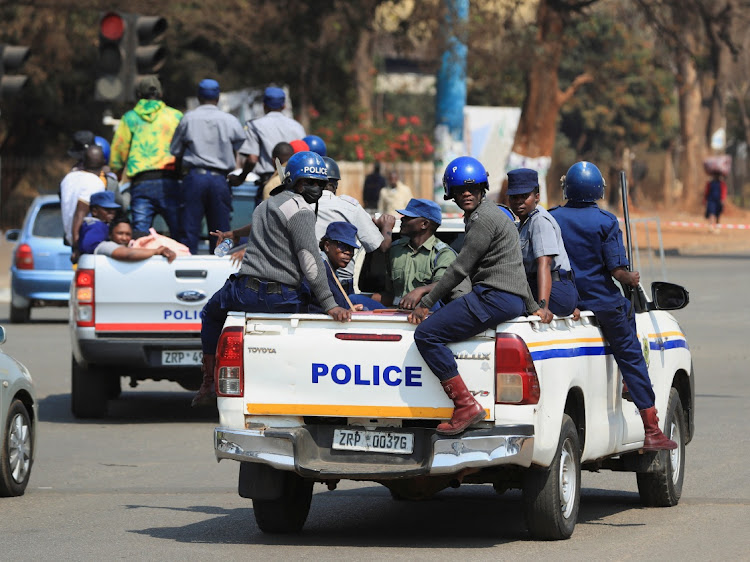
<point>208,89</point>
<point>341,231</point>
<point>423,208</point>
<point>522,180</point>
<point>274,97</point>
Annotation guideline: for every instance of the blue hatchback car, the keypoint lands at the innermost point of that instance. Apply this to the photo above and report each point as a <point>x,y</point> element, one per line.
<point>41,271</point>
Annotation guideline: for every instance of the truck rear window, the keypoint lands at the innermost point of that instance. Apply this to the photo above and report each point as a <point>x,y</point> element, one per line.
<point>48,222</point>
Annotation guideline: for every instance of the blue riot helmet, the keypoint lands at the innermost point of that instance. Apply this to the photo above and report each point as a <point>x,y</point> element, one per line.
<point>316,144</point>
<point>307,165</point>
<point>332,168</point>
<point>464,171</point>
<point>101,141</point>
<point>583,183</point>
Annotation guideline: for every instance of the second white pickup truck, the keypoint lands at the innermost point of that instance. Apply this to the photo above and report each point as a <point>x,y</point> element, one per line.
<point>139,320</point>
<point>304,399</point>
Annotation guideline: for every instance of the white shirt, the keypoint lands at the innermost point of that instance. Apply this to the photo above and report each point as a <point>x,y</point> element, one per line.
<point>332,208</point>
<point>76,186</point>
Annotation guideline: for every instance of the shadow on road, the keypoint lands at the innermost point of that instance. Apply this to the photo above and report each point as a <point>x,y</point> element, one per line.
<point>370,518</point>
<point>132,407</point>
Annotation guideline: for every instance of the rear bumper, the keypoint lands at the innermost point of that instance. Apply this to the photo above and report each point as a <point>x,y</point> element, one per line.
<point>307,451</point>
<point>40,284</point>
<point>141,354</point>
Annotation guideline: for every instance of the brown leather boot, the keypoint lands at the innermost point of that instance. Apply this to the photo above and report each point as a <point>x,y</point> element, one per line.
<point>655,440</point>
<point>467,410</point>
<point>207,393</point>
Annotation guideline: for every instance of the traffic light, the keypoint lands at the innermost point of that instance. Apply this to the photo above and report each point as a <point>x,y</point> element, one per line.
<point>11,59</point>
<point>149,56</point>
<point>113,77</point>
<point>128,50</point>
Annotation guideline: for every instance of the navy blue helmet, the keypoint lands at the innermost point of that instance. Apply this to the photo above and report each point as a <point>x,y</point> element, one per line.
<point>583,183</point>
<point>464,171</point>
<point>332,169</point>
<point>305,164</point>
<point>316,144</point>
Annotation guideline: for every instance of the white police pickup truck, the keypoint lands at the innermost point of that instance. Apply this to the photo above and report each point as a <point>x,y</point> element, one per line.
<point>304,399</point>
<point>139,320</point>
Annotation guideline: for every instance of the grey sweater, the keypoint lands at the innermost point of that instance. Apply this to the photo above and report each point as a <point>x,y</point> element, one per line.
<point>282,246</point>
<point>491,256</point>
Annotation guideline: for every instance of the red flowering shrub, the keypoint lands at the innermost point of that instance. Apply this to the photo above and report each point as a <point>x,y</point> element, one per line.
<point>397,139</point>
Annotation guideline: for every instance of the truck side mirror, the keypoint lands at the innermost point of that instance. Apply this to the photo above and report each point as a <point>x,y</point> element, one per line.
<point>669,296</point>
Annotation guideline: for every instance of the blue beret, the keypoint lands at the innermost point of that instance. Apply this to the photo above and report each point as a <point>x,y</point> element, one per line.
<point>341,231</point>
<point>208,89</point>
<point>274,98</point>
<point>105,199</point>
<point>522,180</point>
<point>423,208</point>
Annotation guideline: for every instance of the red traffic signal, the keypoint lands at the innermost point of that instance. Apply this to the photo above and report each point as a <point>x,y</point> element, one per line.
<point>112,74</point>
<point>128,49</point>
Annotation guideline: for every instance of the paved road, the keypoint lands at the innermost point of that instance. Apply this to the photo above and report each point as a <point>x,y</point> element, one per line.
<point>143,484</point>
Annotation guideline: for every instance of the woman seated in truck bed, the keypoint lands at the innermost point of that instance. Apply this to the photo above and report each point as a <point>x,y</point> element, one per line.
<point>120,235</point>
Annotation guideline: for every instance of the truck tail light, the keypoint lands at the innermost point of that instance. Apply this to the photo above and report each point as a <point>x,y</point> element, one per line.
<point>515,375</point>
<point>230,380</point>
<point>84,298</point>
<point>24,257</point>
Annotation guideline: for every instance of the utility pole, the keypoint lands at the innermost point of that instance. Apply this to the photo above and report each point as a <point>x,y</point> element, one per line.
<point>451,91</point>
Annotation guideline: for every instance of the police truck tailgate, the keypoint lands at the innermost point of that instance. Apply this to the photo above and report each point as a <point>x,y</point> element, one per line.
<point>154,295</point>
<point>368,367</point>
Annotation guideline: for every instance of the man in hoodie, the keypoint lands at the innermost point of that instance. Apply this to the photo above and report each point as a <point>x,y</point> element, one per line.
<point>140,149</point>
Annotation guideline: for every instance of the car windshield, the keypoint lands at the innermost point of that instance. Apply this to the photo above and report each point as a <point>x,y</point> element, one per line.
<point>48,222</point>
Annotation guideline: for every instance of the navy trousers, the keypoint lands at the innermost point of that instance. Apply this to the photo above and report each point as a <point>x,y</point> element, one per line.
<point>205,194</point>
<point>461,319</point>
<point>621,334</point>
<point>563,296</point>
<point>237,295</point>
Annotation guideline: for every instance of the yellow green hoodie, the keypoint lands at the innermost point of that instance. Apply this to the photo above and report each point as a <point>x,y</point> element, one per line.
<point>142,138</point>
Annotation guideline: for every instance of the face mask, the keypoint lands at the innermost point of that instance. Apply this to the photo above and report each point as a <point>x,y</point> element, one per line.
<point>311,192</point>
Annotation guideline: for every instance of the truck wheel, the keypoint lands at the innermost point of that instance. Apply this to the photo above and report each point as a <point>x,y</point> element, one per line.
<point>19,314</point>
<point>551,497</point>
<point>114,387</point>
<point>664,488</point>
<point>17,442</point>
<point>288,513</point>
<point>90,389</point>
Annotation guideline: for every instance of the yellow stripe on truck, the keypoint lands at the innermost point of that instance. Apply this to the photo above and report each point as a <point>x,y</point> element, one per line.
<point>350,411</point>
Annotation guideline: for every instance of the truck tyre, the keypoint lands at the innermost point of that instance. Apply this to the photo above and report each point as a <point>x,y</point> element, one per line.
<point>288,513</point>
<point>551,497</point>
<point>19,314</point>
<point>90,390</point>
<point>664,488</point>
<point>17,442</point>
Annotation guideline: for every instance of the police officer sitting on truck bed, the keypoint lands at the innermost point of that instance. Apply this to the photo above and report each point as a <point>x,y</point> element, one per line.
<point>281,251</point>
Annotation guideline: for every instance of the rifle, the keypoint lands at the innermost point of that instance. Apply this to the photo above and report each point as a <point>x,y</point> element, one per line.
<point>636,296</point>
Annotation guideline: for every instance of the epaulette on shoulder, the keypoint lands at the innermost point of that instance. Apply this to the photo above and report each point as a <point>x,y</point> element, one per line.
<point>349,199</point>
